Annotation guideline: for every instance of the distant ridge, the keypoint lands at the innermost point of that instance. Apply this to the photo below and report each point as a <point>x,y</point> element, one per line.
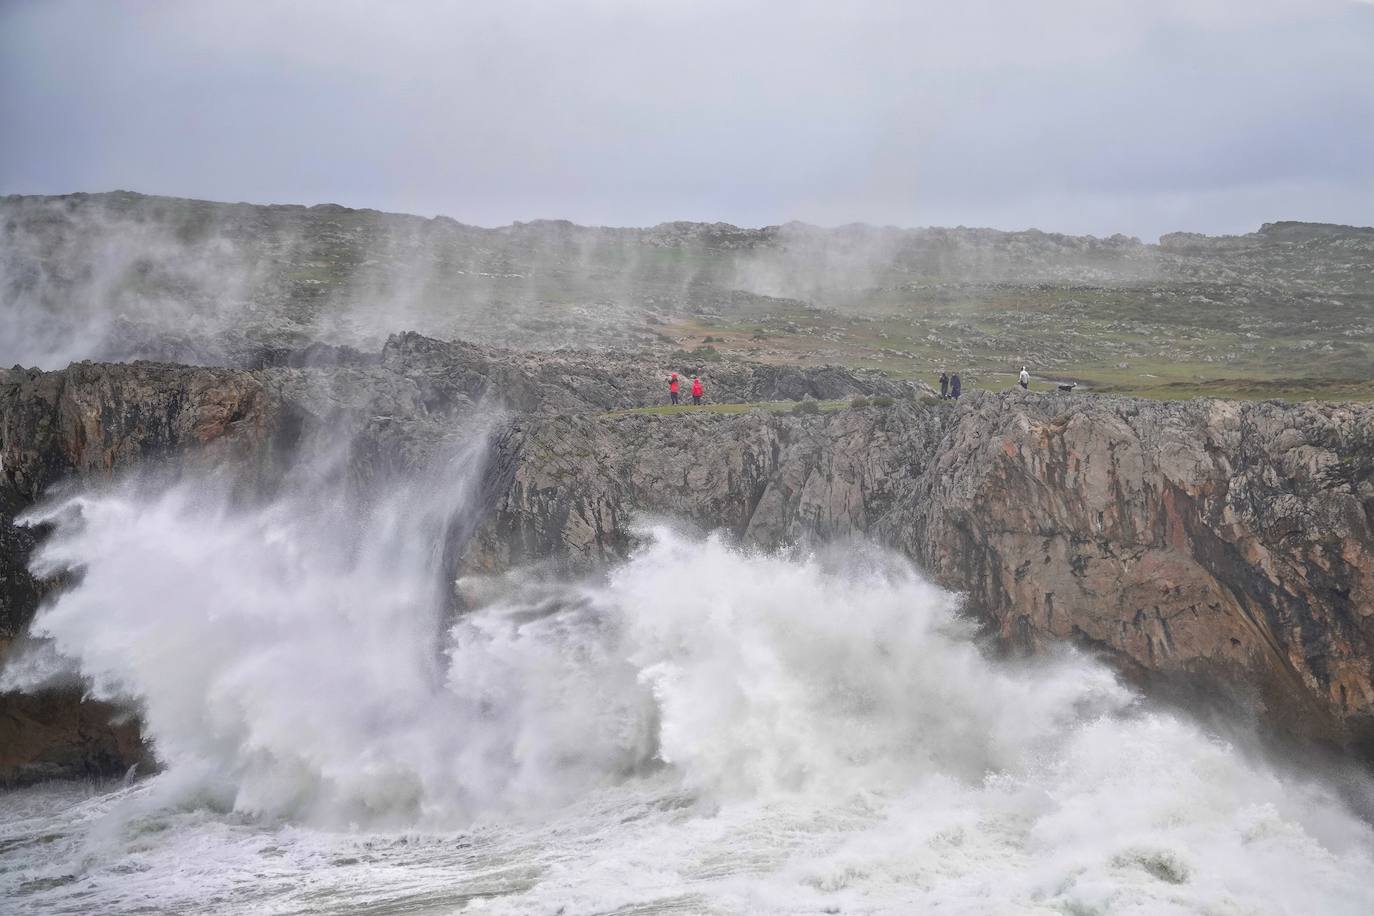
<point>1286,230</point>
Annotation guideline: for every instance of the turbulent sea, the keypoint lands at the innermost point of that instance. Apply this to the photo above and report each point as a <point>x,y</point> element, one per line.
<point>702,730</point>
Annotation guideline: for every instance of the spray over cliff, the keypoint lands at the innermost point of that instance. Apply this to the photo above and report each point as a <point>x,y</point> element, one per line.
<point>1207,549</point>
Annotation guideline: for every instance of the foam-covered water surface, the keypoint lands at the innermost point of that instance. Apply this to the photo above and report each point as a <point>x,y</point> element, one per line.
<point>704,729</point>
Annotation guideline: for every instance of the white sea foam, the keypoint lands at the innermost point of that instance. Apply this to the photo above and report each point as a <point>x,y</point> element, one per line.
<point>703,730</point>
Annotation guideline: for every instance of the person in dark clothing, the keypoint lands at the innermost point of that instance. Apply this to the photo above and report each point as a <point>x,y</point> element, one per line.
<point>672,387</point>
<point>697,390</point>
<point>944,384</point>
<point>954,386</point>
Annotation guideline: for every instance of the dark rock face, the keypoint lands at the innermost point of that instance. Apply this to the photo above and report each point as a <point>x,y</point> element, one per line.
<point>578,484</point>
<point>96,417</point>
<point>567,382</point>
<point>19,591</point>
<point>1228,542</point>
<point>392,408</point>
<point>1224,546</point>
<point>54,734</point>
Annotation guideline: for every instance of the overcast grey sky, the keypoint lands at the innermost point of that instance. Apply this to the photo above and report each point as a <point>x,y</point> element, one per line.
<point>1140,116</point>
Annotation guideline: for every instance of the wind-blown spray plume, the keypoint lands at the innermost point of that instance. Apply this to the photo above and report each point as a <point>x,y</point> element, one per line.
<point>704,728</point>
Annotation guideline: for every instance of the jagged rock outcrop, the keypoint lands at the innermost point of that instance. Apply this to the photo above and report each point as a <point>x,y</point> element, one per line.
<point>571,381</point>
<point>392,410</point>
<point>1228,543</point>
<point>1217,546</point>
<point>52,734</point>
<point>1210,545</point>
<point>578,484</point>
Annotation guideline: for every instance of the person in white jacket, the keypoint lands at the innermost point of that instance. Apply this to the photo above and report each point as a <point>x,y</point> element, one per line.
<point>1024,380</point>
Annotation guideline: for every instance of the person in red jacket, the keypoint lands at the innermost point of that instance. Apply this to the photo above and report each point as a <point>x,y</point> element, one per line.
<point>672,387</point>
<point>697,390</point>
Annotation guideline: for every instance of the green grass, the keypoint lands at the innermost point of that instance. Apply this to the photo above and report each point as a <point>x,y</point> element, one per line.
<point>1283,389</point>
<point>773,406</point>
<point>1151,342</point>
<point>1292,319</point>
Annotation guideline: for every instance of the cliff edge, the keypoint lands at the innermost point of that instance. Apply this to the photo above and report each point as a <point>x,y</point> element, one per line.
<point>1214,547</point>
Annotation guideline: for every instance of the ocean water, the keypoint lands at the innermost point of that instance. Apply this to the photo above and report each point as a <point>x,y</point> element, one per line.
<point>702,730</point>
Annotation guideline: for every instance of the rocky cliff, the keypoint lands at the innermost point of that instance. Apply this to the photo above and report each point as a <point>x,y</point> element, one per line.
<point>1221,542</point>
<point>1206,545</point>
<point>388,410</point>
<point>1210,545</point>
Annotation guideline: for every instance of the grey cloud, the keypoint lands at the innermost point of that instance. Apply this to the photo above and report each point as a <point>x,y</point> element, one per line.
<point>1071,115</point>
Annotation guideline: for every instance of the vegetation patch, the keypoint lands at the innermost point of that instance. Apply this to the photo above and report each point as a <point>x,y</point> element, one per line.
<point>771,406</point>
<point>703,354</point>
